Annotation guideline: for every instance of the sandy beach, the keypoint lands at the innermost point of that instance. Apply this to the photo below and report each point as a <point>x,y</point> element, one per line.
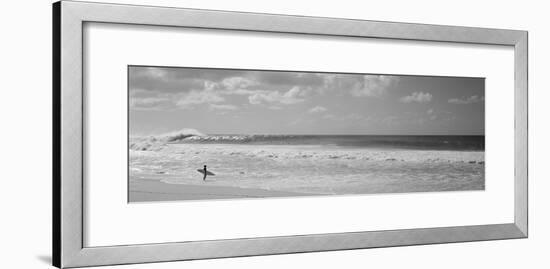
<point>144,190</point>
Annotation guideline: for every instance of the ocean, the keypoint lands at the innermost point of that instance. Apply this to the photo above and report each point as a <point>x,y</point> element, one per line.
<point>418,142</point>
<point>314,164</point>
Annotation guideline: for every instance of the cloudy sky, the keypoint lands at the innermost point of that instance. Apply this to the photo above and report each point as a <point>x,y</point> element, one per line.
<point>228,101</point>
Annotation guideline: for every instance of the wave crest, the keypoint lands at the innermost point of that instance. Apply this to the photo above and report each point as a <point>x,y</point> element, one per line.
<point>237,139</point>
<point>177,136</point>
<point>158,142</point>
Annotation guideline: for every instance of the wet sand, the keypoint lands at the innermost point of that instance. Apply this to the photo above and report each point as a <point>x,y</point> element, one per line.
<point>143,190</point>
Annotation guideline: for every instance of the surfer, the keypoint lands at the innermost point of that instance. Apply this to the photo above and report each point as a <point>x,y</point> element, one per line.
<point>205,173</point>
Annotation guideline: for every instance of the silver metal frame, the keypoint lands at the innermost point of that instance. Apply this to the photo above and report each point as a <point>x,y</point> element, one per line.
<point>68,229</point>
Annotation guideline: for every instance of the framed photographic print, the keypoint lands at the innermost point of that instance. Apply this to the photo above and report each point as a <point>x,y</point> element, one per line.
<point>185,134</point>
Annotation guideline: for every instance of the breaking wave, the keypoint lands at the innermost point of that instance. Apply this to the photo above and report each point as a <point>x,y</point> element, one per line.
<point>237,139</point>
<point>158,142</point>
<point>192,136</point>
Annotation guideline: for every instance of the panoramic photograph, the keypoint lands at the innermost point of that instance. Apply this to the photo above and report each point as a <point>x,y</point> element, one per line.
<point>214,133</point>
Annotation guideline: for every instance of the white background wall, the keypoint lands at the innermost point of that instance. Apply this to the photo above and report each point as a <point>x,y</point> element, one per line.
<point>25,136</point>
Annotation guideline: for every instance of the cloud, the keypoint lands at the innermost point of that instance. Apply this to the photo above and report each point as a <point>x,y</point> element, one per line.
<point>223,107</point>
<point>140,99</point>
<point>418,97</point>
<point>260,97</point>
<point>177,74</point>
<point>247,82</point>
<point>285,79</point>
<point>162,80</point>
<point>466,100</point>
<point>292,93</point>
<point>199,97</point>
<point>156,100</point>
<point>358,85</point>
<point>373,85</point>
<point>431,114</point>
<point>241,92</point>
<point>225,89</point>
<point>149,103</point>
<point>275,97</point>
<point>317,109</point>
<point>237,83</point>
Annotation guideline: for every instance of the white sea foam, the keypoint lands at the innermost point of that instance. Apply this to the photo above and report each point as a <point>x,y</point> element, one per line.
<point>312,169</point>
<point>158,142</point>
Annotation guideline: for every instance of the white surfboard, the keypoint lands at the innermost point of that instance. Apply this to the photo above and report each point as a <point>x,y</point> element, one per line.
<point>207,172</point>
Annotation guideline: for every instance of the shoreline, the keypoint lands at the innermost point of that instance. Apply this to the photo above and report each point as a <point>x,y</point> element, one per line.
<point>149,190</point>
<point>246,171</point>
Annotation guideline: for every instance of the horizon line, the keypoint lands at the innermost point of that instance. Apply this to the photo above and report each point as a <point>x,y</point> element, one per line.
<point>289,134</point>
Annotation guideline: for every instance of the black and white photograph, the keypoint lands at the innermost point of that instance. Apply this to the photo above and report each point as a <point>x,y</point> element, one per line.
<point>220,133</point>
<point>275,134</point>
